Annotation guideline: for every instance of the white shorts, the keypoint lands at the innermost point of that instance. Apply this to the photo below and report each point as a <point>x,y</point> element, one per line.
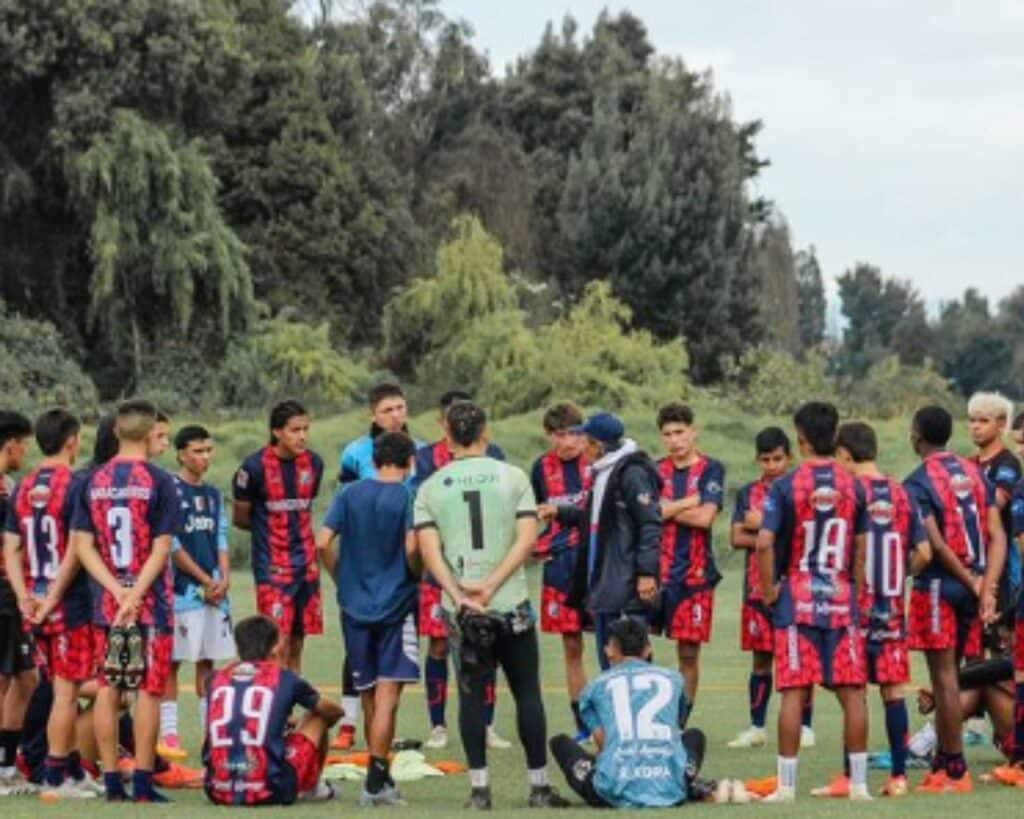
<point>203,634</point>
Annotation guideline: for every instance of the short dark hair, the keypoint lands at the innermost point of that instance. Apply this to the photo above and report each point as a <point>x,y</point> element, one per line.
<point>105,446</point>
<point>675,413</point>
<point>162,417</point>
<point>283,412</point>
<point>817,421</point>
<point>393,449</point>
<point>385,390</point>
<point>466,423</point>
<point>54,428</point>
<point>934,425</point>
<point>452,397</point>
<point>1018,422</point>
<point>771,438</point>
<point>13,425</point>
<point>562,415</point>
<point>859,440</point>
<point>187,434</point>
<point>136,418</point>
<point>255,638</point>
<point>631,635</point>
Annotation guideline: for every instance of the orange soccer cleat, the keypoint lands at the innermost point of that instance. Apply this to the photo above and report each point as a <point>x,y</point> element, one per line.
<point>178,776</point>
<point>1011,775</point>
<point>838,788</point>
<point>345,739</point>
<point>895,786</point>
<point>941,782</point>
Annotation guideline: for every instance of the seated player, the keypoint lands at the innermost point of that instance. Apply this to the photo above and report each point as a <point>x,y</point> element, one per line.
<point>122,526</point>
<point>692,493</point>
<point>251,755</point>
<point>636,713</point>
<point>53,594</point>
<point>201,576</point>
<point>896,543</point>
<point>772,449</point>
<point>810,553</point>
<point>560,478</point>
<point>956,593</point>
<point>377,589</point>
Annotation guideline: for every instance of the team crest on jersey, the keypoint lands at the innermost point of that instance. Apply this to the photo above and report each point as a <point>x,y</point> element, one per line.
<point>581,769</point>
<point>200,503</point>
<point>962,485</point>
<point>277,610</point>
<point>714,488</point>
<point>824,498</point>
<point>242,478</point>
<point>553,608</point>
<point>305,477</point>
<point>39,496</point>
<point>881,512</point>
<point>244,672</point>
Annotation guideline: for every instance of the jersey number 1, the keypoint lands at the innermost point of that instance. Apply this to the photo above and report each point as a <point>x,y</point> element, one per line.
<point>476,518</point>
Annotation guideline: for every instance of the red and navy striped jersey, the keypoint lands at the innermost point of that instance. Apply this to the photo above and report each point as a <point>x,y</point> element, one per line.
<point>687,557</point>
<point>39,512</point>
<point>127,504</point>
<point>559,483</point>
<point>894,528</point>
<point>815,512</point>
<point>281,493</point>
<point>244,748</point>
<point>953,492</point>
<point>431,457</point>
<point>751,497</point>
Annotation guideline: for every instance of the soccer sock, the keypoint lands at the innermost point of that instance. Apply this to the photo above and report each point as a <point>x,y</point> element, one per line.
<point>436,678</point>
<point>956,766</point>
<point>126,733</point>
<point>807,716</point>
<point>479,778</point>
<point>168,718</point>
<point>760,689</point>
<point>580,727</point>
<point>113,785</point>
<point>75,769</point>
<point>846,763</point>
<point>56,770</point>
<point>786,768</point>
<point>490,680</point>
<point>939,761</point>
<point>9,741</point>
<point>202,716</point>
<point>858,769</point>
<point>142,783</point>
<point>897,726</point>
<point>538,777</point>
<point>352,709</point>
<point>376,774</point>
<point>1018,722</point>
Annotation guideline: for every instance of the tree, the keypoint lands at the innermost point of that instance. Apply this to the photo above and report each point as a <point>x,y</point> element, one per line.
<point>772,260</point>
<point>810,289</point>
<point>975,352</point>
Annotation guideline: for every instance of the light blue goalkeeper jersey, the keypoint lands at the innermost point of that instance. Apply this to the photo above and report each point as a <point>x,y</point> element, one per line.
<point>638,706</point>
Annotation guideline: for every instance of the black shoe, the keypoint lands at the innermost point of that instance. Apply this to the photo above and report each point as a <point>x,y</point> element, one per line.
<point>479,799</point>
<point>544,796</point>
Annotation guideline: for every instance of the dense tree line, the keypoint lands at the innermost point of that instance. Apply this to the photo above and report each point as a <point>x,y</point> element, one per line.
<point>187,188</point>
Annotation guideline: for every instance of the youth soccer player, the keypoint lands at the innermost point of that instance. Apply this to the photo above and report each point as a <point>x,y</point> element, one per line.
<point>896,543</point>
<point>250,753</point>
<point>35,550</point>
<point>274,490</point>
<point>773,454</point>
<point>202,575</point>
<point>692,491</point>
<point>964,528</point>
<point>377,589</point>
<point>476,521</point>
<point>637,712</point>
<point>560,478</point>
<point>17,669</point>
<point>810,552</point>
<point>122,528</point>
<point>432,623</point>
<point>160,438</point>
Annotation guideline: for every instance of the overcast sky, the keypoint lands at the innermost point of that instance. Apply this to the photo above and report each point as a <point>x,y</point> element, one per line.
<point>895,129</point>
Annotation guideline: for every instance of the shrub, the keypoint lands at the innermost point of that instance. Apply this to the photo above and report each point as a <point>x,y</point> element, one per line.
<point>771,381</point>
<point>891,389</point>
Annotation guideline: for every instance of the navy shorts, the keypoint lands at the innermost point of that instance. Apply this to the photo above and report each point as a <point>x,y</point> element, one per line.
<point>382,652</point>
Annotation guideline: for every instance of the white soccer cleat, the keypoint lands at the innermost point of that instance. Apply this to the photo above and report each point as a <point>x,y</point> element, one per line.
<point>323,792</point>
<point>723,792</point>
<point>438,738</point>
<point>66,791</point>
<point>781,796</point>
<point>859,793</point>
<point>752,737</point>
<point>495,741</point>
<point>923,743</point>
<point>14,784</point>
<point>740,794</point>
<point>89,784</point>
<point>807,738</point>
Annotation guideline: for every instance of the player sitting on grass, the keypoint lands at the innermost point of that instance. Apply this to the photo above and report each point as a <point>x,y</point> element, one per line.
<point>636,713</point>
<point>250,754</point>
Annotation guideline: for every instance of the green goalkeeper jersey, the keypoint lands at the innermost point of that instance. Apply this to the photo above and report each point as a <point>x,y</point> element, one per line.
<point>474,504</point>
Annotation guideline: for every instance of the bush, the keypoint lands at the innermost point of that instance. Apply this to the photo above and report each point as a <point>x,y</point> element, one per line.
<point>891,389</point>
<point>771,381</point>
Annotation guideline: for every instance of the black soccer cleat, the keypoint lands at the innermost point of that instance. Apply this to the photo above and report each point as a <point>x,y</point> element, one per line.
<point>479,799</point>
<point>544,796</point>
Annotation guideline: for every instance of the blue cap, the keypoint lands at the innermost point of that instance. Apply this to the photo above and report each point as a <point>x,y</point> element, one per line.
<point>601,426</point>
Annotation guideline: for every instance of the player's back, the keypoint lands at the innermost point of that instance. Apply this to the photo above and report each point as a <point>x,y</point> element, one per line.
<point>638,706</point>
<point>244,752</point>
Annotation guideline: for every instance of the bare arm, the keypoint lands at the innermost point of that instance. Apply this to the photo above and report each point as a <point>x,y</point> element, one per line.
<point>742,538</point>
<point>526,535</point>
<point>241,514</point>
<point>920,557</point>
<point>70,566</point>
<point>84,545</point>
<point>328,710</point>
<point>699,517</point>
<point>326,545</point>
<point>151,570</point>
<point>944,555</point>
<point>433,560</point>
<point>12,560</point>
<point>860,560</point>
<point>183,561</point>
<point>412,554</point>
<point>994,565</point>
<point>671,509</point>
<point>766,565</point>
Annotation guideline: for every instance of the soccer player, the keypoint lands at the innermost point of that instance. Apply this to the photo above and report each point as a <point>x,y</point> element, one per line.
<point>274,490</point>
<point>122,528</point>
<point>692,491</point>
<point>636,712</point>
<point>432,624</point>
<point>560,478</point>
<point>17,669</point>
<point>1014,772</point>
<point>810,552</point>
<point>250,754</point>
<point>896,543</point>
<point>477,522</point>
<point>377,595</point>
<point>772,449</point>
<point>36,552</point>
<point>202,574</point>
<point>965,530</point>
<point>160,438</point>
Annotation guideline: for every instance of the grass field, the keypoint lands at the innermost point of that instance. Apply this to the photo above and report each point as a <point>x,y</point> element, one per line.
<point>727,433</point>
